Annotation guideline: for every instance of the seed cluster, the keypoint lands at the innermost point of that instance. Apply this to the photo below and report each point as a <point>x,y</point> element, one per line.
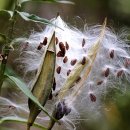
<point>61,110</point>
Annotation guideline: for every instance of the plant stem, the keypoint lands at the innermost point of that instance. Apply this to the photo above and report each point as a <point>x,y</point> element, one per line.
<point>6,48</point>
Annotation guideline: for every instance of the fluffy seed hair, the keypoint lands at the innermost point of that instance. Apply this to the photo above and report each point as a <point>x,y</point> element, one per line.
<point>110,66</point>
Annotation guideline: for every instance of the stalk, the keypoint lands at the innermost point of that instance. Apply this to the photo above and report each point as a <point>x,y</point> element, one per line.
<point>6,47</point>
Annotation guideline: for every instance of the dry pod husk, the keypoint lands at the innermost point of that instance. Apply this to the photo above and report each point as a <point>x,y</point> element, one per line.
<point>44,81</point>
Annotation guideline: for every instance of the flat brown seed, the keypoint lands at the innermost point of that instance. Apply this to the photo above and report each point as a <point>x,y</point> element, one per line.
<point>50,96</point>
<point>60,54</point>
<point>61,46</point>
<point>112,54</point>
<point>39,47</point>
<point>83,42</point>
<point>54,84</point>
<point>92,97</point>
<point>78,79</point>
<point>45,41</point>
<point>99,82</point>
<point>73,62</point>
<point>58,70</point>
<point>106,72</point>
<point>120,73</point>
<point>68,72</point>
<point>67,46</point>
<point>83,61</point>
<point>63,52</point>
<point>56,40</point>
<point>65,59</point>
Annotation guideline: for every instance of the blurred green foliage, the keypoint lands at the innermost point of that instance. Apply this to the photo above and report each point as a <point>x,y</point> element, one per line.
<point>6,4</point>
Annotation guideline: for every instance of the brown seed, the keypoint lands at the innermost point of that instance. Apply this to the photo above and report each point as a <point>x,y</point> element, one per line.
<point>83,42</point>
<point>83,61</point>
<point>67,46</point>
<point>58,70</point>
<point>54,84</point>
<point>63,52</point>
<point>56,40</point>
<point>73,62</point>
<point>65,59</point>
<point>61,46</point>
<point>112,54</point>
<point>78,79</point>
<point>120,73</point>
<point>92,97</point>
<point>99,82</point>
<point>50,96</point>
<point>106,72</point>
<point>60,54</point>
<point>68,72</point>
<point>44,41</point>
<point>39,47</point>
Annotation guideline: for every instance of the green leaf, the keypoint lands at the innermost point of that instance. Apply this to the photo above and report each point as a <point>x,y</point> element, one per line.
<point>27,92</point>
<point>18,120</point>
<point>43,84</point>
<point>58,1</point>
<point>6,12</point>
<point>34,18</point>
